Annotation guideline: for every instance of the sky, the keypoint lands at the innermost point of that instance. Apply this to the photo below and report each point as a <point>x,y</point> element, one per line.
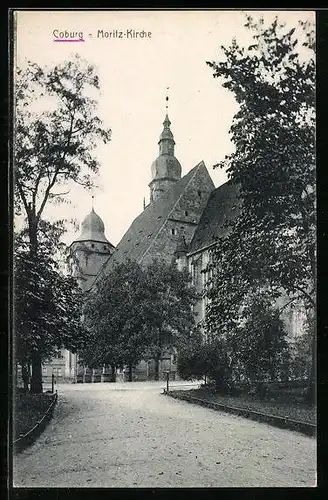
<point>134,75</point>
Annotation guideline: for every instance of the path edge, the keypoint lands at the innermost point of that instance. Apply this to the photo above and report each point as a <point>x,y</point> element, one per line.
<point>281,422</point>
<point>27,439</point>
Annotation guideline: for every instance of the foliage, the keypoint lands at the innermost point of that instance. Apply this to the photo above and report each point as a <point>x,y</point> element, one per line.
<point>193,358</point>
<point>137,312</point>
<point>169,313</point>
<point>300,367</point>
<point>270,246</point>
<point>114,314</point>
<point>56,130</point>
<point>262,344</point>
<point>272,242</point>
<point>47,308</point>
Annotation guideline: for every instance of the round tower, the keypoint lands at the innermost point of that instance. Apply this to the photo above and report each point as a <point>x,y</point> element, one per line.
<point>166,169</point>
<point>90,250</point>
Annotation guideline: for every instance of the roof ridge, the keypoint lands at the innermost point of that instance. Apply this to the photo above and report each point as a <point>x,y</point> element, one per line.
<point>194,170</point>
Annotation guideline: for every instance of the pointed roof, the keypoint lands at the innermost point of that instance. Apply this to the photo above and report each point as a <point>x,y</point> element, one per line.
<point>166,165</point>
<point>222,206</point>
<point>167,132</point>
<point>92,228</point>
<point>144,230</point>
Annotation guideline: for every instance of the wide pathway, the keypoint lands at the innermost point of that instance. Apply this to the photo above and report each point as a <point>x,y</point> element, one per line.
<point>130,435</point>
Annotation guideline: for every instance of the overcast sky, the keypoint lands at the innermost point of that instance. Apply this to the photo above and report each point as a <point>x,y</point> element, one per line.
<point>134,74</point>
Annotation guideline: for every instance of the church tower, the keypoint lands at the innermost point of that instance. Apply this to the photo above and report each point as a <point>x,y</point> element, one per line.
<point>166,169</point>
<point>90,250</point>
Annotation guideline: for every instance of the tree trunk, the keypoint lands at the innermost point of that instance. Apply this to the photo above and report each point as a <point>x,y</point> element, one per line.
<point>157,367</point>
<point>36,379</point>
<point>130,372</point>
<point>113,367</point>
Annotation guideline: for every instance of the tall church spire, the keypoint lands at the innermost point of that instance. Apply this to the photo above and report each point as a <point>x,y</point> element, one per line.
<point>166,169</point>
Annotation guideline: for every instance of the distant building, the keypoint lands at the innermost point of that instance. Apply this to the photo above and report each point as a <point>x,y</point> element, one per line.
<point>182,222</point>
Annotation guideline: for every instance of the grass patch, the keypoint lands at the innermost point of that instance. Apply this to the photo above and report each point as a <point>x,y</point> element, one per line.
<point>28,409</point>
<point>294,410</point>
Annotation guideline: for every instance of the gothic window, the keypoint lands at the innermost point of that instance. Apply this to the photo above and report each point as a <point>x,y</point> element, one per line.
<point>173,231</point>
<point>92,245</point>
<point>199,193</point>
<point>197,272</point>
<point>105,248</point>
<point>186,213</point>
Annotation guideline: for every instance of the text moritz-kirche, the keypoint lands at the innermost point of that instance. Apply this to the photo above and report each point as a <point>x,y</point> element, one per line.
<point>123,34</point>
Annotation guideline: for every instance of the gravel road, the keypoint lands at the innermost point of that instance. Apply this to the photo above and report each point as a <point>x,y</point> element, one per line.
<point>130,435</point>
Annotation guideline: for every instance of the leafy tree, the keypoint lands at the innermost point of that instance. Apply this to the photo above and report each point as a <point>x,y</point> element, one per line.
<point>56,130</point>
<point>115,314</point>
<point>169,314</point>
<point>262,344</point>
<point>47,317</point>
<point>271,244</point>
<point>301,353</point>
<point>137,312</point>
<point>193,358</point>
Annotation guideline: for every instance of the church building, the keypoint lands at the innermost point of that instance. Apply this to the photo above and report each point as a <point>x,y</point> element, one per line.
<point>182,221</point>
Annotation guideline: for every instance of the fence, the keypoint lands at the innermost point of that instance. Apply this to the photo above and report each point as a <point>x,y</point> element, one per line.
<point>180,386</point>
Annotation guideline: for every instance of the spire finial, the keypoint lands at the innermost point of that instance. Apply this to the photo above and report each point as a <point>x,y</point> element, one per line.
<point>167,100</point>
<point>167,122</point>
<point>92,202</point>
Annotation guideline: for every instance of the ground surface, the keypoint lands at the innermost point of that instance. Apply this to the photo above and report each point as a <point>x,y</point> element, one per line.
<point>293,410</point>
<point>129,435</point>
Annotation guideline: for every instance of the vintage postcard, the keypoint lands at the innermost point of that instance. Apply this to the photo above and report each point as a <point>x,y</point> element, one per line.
<point>164,249</point>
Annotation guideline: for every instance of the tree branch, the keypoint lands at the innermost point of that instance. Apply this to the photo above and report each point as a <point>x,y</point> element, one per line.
<point>52,183</point>
<point>306,294</point>
<point>23,197</point>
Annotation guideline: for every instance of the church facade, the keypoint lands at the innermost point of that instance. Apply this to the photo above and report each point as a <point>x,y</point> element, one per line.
<point>182,222</point>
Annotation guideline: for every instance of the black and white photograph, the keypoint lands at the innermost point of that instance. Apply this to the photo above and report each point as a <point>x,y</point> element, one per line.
<point>164,249</point>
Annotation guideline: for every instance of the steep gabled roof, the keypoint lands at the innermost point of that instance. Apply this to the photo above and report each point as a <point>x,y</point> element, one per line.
<point>144,229</point>
<point>222,206</point>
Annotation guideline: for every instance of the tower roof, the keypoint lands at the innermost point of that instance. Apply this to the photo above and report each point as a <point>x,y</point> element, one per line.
<point>139,242</point>
<point>92,228</point>
<point>166,133</point>
<point>166,165</point>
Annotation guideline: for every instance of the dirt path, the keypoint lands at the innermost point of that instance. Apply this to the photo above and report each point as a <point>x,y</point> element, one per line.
<point>129,435</point>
